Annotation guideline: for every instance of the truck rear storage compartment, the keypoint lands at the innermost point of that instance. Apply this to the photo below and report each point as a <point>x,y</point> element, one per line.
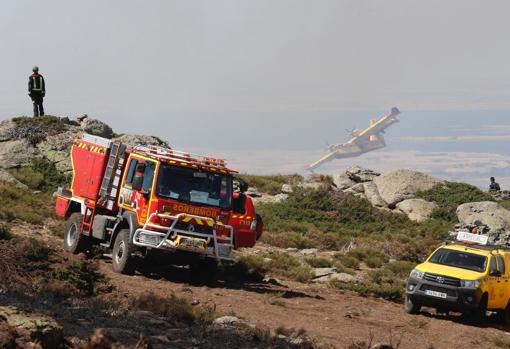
<point>89,163</point>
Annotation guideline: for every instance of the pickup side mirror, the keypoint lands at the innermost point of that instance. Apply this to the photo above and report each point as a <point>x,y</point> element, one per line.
<point>421,258</point>
<point>137,183</point>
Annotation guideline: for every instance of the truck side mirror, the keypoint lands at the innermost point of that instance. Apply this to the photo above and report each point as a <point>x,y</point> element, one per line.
<point>137,183</point>
<point>421,258</point>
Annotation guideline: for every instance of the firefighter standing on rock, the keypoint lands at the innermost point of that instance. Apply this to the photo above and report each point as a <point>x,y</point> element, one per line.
<point>37,91</point>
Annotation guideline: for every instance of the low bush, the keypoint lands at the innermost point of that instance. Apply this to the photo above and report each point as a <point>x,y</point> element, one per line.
<point>5,232</point>
<point>41,175</point>
<point>387,282</point>
<point>172,307</point>
<point>36,250</point>
<point>449,195</point>
<point>319,262</point>
<point>286,265</point>
<point>37,129</point>
<point>372,258</point>
<point>81,274</point>
<point>347,261</point>
<point>24,205</point>
<point>270,184</point>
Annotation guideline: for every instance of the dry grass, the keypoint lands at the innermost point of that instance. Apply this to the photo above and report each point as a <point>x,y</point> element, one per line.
<point>174,308</point>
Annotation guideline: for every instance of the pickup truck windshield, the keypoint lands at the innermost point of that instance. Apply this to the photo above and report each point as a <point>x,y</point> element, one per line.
<point>459,259</point>
<point>194,186</point>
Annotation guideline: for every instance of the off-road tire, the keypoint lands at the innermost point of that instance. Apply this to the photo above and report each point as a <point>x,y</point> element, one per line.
<point>410,307</point>
<point>123,260</point>
<point>504,315</point>
<point>478,316</point>
<point>74,241</point>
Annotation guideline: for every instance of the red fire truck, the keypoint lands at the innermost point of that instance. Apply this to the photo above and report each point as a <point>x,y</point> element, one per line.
<point>146,198</point>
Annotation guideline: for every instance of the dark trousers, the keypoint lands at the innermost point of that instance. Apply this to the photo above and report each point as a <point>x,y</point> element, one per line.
<point>38,105</point>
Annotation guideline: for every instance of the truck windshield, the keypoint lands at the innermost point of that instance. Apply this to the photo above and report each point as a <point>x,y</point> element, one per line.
<point>459,259</point>
<point>194,186</point>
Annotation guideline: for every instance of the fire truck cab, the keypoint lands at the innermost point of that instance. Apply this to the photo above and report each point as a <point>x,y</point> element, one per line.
<point>135,200</point>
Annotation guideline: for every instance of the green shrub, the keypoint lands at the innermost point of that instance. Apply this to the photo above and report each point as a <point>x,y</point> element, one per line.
<point>449,196</point>
<point>286,265</point>
<point>37,129</point>
<point>173,307</point>
<point>340,268</point>
<point>374,261</point>
<point>347,261</point>
<point>388,282</point>
<point>83,275</point>
<point>5,232</point>
<point>319,262</point>
<point>270,184</point>
<point>253,265</point>
<point>24,205</point>
<point>40,175</point>
<point>35,250</point>
<point>373,258</point>
<point>290,239</point>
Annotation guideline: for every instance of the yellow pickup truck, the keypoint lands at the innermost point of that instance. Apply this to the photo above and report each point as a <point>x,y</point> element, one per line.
<point>467,276</point>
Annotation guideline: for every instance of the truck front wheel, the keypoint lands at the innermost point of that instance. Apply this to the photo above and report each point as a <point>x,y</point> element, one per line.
<point>74,241</point>
<point>123,260</point>
<point>410,307</point>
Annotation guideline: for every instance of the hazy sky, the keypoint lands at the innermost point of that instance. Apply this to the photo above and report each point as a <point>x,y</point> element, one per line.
<point>211,73</point>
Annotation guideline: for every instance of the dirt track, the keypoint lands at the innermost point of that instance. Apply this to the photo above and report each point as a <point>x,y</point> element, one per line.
<point>337,318</point>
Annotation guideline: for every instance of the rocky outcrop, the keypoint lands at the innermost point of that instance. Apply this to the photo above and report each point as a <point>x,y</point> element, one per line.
<point>417,210</point>
<point>360,174</point>
<point>133,140</point>
<point>16,153</point>
<point>23,139</point>
<point>487,213</point>
<point>8,178</point>
<point>372,194</point>
<point>392,191</point>
<point>400,185</point>
<point>96,127</point>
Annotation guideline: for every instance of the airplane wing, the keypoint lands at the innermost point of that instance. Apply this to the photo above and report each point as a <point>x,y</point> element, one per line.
<point>338,152</point>
<point>328,157</point>
<point>378,126</point>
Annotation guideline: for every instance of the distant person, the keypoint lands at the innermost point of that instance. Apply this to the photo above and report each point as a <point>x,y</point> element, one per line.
<point>37,91</point>
<point>494,186</point>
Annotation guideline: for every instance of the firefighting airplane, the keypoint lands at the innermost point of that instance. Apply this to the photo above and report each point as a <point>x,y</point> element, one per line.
<point>362,141</point>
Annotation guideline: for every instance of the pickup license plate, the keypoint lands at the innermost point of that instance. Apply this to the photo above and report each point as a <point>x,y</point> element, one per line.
<point>192,244</point>
<point>435,294</point>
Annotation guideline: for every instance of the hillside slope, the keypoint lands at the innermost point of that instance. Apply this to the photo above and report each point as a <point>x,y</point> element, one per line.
<point>329,270</point>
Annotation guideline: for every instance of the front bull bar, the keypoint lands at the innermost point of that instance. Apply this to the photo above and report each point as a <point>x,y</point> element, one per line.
<point>167,240</point>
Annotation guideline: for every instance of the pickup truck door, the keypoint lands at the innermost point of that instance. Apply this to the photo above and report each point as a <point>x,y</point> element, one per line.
<point>503,284</point>
<point>492,284</point>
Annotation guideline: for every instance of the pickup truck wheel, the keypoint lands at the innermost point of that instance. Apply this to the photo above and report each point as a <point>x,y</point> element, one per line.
<point>74,241</point>
<point>478,315</point>
<point>410,307</point>
<point>123,261</point>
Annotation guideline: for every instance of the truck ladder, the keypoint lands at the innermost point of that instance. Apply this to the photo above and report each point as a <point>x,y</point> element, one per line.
<point>111,179</point>
<point>88,219</point>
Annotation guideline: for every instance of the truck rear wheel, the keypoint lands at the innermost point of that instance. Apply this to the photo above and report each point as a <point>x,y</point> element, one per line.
<point>505,315</point>
<point>123,260</point>
<point>74,241</point>
<point>410,307</point>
